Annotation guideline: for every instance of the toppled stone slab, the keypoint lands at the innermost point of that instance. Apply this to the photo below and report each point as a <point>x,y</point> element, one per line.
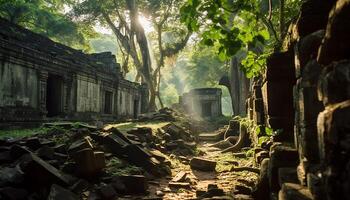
<point>179,177</point>
<point>80,144</point>
<point>41,172</point>
<point>202,164</point>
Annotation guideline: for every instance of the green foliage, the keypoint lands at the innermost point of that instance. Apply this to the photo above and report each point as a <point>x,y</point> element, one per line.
<point>253,65</point>
<point>232,26</point>
<point>118,167</point>
<point>196,66</point>
<point>47,17</point>
<point>103,43</point>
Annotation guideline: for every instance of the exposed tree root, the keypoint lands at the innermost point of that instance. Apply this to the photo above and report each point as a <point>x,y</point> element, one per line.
<point>225,143</point>
<point>239,144</point>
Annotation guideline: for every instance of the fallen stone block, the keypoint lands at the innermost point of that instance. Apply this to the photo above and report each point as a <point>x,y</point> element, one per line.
<point>89,163</point>
<point>59,193</point>
<point>80,145</point>
<point>40,173</point>
<point>180,177</point>
<point>202,164</point>
<point>131,184</point>
<point>178,185</point>
<point>292,191</point>
<point>107,192</point>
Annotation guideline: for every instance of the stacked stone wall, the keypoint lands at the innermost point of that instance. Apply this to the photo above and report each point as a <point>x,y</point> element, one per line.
<point>306,93</point>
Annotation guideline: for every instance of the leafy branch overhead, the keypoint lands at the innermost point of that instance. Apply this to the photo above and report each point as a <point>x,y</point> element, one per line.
<point>231,26</point>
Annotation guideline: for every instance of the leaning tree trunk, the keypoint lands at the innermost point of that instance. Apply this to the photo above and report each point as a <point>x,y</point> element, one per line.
<point>145,54</point>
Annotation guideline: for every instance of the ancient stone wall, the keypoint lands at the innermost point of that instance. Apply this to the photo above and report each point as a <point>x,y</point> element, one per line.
<point>42,80</point>
<point>202,102</point>
<point>306,91</point>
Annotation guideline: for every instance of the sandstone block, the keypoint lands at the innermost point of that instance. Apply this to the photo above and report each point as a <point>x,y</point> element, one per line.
<point>292,191</point>
<point>202,164</point>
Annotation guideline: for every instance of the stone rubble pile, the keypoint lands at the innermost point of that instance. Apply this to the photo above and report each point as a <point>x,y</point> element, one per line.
<point>72,164</point>
<point>164,114</point>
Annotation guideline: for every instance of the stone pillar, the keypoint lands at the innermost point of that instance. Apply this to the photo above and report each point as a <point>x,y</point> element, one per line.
<point>43,76</point>
<point>277,92</point>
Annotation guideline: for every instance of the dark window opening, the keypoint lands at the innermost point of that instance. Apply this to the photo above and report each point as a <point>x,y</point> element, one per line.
<point>54,95</point>
<point>206,109</point>
<point>108,102</point>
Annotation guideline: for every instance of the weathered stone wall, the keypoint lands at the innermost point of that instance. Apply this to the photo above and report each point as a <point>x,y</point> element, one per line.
<point>202,102</point>
<point>18,86</point>
<point>40,79</point>
<point>315,164</point>
<point>88,95</point>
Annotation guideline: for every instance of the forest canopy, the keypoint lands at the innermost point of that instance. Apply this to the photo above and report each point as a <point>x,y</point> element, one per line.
<point>170,45</point>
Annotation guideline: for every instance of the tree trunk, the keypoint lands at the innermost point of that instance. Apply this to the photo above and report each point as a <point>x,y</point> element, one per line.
<point>145,54</point>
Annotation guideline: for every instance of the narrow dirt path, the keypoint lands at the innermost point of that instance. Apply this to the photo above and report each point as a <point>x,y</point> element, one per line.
<point>223,177</point>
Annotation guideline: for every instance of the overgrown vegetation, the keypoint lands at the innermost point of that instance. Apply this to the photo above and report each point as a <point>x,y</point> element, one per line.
<point>256,27</point>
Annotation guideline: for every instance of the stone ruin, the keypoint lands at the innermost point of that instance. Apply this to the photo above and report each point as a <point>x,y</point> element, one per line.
<point>305,92</point>
<point>41,79</point>
<point>202,102</point>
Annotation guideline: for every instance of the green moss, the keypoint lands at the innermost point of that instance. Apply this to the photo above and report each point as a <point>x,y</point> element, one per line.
<point>19,133</point>
<point>117,167</point>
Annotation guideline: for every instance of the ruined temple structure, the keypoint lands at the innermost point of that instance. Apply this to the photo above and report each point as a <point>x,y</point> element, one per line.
<point>41,79</point>
<point>305,93</point>
<point>202,102</point>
